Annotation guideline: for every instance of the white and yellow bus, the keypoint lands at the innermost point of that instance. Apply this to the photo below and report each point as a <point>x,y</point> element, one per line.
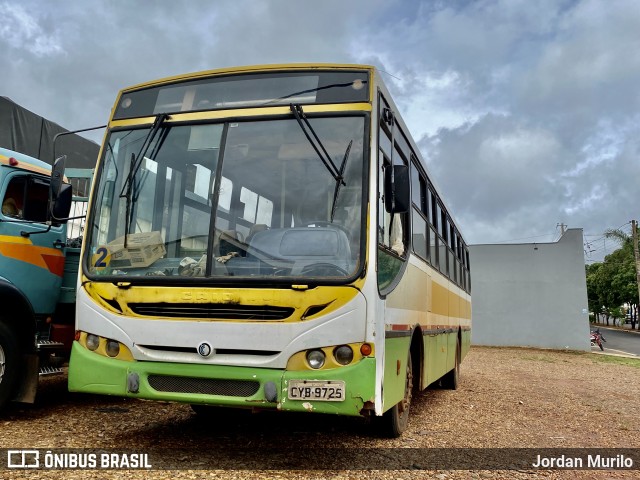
<point>268,237</point>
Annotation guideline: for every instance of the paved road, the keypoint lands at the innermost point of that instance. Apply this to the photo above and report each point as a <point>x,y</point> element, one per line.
<point>620,341</point>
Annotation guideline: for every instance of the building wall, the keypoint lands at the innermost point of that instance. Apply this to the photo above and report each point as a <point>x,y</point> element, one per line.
<point>532,295</point>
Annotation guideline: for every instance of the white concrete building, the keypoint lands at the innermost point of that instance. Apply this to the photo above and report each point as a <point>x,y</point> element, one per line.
<point>530,295</point>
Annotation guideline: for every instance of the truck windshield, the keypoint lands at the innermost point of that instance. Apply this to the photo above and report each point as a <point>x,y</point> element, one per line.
<point>238,199</point>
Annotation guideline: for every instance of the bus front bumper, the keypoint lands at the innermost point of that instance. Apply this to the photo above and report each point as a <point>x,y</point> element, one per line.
<point>232,386</point>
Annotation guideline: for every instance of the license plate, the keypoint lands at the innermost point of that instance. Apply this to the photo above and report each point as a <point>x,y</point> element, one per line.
<point>331,391</point>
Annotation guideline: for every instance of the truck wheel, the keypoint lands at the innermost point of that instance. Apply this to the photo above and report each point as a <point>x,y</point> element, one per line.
<point>396,419</point>
<point>8,364</point>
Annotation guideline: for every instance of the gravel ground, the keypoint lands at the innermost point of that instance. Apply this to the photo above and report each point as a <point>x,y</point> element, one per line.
<point>508,398</point>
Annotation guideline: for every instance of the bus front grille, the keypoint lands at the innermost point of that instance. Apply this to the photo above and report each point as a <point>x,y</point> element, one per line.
<point>205,386</point>
<point>223,311</point>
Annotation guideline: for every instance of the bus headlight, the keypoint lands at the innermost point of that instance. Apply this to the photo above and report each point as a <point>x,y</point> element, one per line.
<point>113,348</point>
<point>315,358</point>
<point>343,354</point>
<point>93,342</point>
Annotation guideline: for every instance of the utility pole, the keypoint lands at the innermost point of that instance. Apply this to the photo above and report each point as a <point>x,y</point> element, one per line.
<point>634,231</point>
<point>563,228</point>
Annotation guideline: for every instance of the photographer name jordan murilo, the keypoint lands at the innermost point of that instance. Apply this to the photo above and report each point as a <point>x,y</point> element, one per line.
<point>596,461</point>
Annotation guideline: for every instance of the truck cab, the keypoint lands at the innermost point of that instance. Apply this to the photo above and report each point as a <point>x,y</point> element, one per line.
<point>38,276</point>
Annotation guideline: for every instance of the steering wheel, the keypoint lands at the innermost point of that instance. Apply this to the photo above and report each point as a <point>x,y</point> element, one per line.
<point>324,270</point>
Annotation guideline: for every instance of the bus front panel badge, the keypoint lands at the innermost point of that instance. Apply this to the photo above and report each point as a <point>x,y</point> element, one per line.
<point>204,349</point>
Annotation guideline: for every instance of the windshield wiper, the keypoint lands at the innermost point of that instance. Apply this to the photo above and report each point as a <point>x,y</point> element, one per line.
<point>311,90</point>
<point>298,113</point>
<point>134,166</point>
<point>336,191</point>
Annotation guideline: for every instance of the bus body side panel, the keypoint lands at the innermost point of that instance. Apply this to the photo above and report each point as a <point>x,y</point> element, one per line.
<point>396,348</point>
<point>440,351</point>
<point>426,301</point>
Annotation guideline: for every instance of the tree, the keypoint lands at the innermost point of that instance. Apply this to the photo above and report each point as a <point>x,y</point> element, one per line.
<point>612,283</point>
<point>597,292</point>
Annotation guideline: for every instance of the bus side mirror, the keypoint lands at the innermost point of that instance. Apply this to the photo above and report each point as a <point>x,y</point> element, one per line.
<point>57,177</point>
<point>61,208</point>
<point>397,193</point>
<point>60,194</point>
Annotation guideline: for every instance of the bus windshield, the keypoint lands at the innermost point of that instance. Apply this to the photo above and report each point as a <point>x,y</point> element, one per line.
<point>242,199</point>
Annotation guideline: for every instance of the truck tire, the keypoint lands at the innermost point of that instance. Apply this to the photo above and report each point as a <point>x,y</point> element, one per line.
<point>9,355</point>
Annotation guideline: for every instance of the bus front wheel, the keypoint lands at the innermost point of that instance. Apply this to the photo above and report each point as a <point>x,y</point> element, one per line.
<point>395,420</point>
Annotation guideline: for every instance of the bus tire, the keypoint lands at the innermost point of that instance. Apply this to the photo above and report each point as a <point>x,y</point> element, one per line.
<point>451,379</point>
<point>395,420</point>
<point>9,355</point>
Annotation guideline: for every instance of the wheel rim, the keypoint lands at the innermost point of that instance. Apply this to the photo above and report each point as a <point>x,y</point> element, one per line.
<point>2,362</point>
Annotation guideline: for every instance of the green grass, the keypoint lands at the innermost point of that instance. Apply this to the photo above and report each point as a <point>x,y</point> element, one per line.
<point>632,362</point>
<point>600,358</point>
<point>540,355</point>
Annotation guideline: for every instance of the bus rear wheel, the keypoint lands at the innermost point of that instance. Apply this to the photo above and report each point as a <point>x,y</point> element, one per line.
<point>8,363</point>
<point>396,419</point>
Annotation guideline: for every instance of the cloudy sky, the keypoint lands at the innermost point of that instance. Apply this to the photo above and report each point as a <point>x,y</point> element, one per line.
<point>528,112</point>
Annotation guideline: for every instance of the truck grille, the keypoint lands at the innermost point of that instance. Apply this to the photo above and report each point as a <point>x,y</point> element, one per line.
<point>206,386</point>
<point>223,311</point>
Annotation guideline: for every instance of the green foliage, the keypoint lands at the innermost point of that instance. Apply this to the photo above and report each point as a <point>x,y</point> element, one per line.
<point>612,283</point>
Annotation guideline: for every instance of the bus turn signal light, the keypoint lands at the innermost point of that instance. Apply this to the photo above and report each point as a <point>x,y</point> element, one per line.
<point>365,349</point>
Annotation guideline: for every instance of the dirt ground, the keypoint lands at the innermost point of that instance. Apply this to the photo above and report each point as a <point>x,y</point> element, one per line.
<point>508,399</point>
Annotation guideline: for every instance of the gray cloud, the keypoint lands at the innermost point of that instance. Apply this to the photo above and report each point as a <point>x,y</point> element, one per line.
<point>525,111</point>
<point>533,121</point>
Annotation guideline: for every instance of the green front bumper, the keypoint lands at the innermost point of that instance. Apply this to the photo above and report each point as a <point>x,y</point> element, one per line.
<point>93,373</point>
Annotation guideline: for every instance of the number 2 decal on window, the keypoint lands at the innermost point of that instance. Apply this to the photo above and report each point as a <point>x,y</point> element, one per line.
<point>101,258</point>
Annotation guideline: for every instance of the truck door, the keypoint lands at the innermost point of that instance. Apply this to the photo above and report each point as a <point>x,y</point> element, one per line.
<point>31,253</point>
